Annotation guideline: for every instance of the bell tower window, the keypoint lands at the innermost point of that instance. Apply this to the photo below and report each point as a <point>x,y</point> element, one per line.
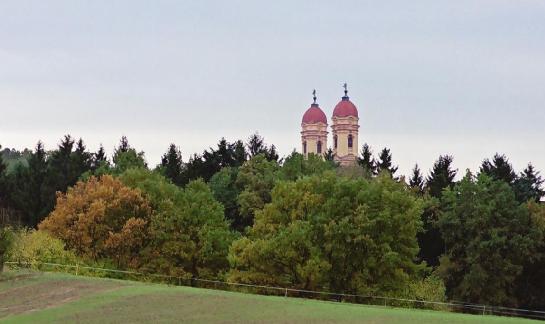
<point>335,141</point>
<point>319,147</point>
<point>304,147</point>
<point>350,141</point>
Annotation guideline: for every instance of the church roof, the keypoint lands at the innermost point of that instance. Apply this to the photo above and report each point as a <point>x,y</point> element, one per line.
<point>345,108</point>
<point>314,115</point>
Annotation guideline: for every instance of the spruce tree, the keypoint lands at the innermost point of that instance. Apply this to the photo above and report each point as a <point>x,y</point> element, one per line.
<point>99,159</point>
<point>417,180</point>
<point>430,240</point>
<point>441,177</point>
<point>385,162</point>
<point>366,161</point>
<point>172,164</point>
<point>239,153</point>
<point>82,159</point>
<point>329,155</point>
<point>529,185</point>
<point>499,169</point>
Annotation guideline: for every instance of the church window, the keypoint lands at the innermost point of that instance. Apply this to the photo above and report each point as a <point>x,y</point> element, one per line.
<point>305,147</point>
<point>350,141</point>
<point>335,141</point>
<point>319,147</point>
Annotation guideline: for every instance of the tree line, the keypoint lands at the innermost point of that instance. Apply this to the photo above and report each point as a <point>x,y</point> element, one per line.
<point>238,212</point>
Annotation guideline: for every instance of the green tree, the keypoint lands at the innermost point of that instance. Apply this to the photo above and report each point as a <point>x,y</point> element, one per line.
<point>430,239</point>
<point>330,232</point>
<point>6,239</point>
<point>329,155</point>
<point>99,159</point>
<point>442,176</point>
<point>256,178</point>
<point>125,157</point>
<point>417,180</point>
<point>529,185</point>
<point>171,164</point>
<point>366,160</point>
<point>384,162</point>
<point>27,185</point>
<point>488,237</point>
<point>256,145</point>
<point>188,232</point>
<point>295,166</point>
<point>224,187</point>
<point>499,169</point>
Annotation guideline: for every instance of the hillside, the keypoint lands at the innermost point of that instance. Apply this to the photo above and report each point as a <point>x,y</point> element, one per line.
<point>30,297</point>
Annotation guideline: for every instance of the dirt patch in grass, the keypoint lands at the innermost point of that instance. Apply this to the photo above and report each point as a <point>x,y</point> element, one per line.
<point>40,295</point>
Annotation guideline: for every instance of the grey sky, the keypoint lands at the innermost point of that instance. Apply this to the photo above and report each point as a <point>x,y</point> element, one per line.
<point>429,77</point>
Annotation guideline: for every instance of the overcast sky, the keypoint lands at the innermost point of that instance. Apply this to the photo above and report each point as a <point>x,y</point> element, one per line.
<point>428,77</point>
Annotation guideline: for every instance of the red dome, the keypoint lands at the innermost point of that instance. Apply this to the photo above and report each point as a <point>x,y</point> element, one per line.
<point>345,108</point>
<point>314,115</point>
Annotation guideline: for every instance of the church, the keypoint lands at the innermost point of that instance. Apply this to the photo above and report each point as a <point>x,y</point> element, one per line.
<point>344,128</point>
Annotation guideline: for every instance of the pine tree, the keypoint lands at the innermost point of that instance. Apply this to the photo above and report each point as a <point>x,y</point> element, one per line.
<point>441,177</point>
<point>499,169</point>
<point>99,159</point>
<point>61,174</point>
<point>366,160</point>
<point>172,164</point>
<point>256,145</point>
<point>329,155</point>
<point>385,162</point>
<point>417,180</point>
<point>529,185</point>
<point>239,153</point>
<point>82,159</point>
<point>123,145</point>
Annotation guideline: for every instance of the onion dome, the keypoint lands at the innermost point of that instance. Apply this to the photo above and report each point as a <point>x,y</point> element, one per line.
<point>345,107</point>
<point>314,114</point>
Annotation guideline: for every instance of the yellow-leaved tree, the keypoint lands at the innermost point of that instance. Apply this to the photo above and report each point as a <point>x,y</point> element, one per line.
<point>102,218</point>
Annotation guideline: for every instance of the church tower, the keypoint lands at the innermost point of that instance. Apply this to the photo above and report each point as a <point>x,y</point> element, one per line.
<point>345,131</point>
<point>314,130</point>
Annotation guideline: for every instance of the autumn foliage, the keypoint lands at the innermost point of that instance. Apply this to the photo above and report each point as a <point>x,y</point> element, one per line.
<point>101,218</point>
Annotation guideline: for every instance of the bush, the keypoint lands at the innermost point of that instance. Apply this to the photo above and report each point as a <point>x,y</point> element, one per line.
<point>431,289</point>
<point>6,238</point>
<point>31,247</point>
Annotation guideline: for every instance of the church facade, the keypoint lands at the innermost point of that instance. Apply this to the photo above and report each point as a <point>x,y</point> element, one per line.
<point>344,129</point>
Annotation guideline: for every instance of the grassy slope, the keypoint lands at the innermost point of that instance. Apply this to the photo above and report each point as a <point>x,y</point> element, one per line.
<point>65,298</point>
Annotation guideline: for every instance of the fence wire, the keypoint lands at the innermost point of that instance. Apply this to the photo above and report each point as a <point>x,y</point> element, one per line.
<point>463,307</point>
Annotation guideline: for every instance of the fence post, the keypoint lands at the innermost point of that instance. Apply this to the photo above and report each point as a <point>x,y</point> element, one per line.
<point>286,293</point>
<point>77,268</point>
<point>484,309</point>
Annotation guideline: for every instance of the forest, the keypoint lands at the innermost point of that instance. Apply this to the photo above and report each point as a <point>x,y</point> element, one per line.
<point>241,213</point>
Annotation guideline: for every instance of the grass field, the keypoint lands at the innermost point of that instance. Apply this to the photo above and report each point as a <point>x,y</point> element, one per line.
<point>31,297</point>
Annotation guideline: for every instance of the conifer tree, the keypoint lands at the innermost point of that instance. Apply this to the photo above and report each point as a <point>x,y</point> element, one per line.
<point>499,169</point>
<point>366,160</point>
<point>417,180</point>
<point>529,185</point>
<point>172,164</point>
<point>385,162</point>
<point>99,159</point>
<point>82,159</point>
<point>441,177</point>
<point>239,153</point>
<point>329,155</point>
